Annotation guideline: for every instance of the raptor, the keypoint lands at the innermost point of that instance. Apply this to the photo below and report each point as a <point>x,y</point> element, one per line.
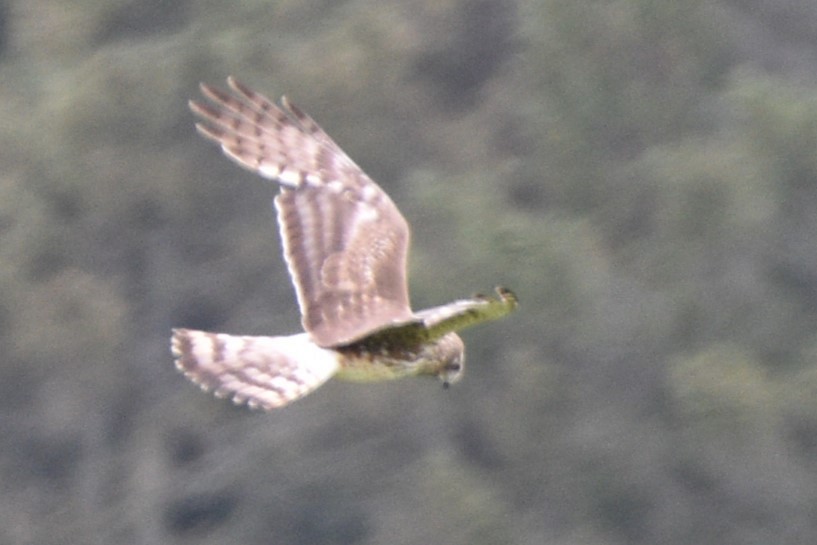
<point>346,245</point>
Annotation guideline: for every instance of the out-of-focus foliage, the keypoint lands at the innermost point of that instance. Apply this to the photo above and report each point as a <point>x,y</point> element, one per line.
<point>642,173</point>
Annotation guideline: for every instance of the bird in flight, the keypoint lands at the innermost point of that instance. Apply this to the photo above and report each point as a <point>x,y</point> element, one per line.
<point>345,244</point>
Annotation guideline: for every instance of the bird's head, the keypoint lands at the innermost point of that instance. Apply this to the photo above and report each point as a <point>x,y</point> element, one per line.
<point>451,358</point>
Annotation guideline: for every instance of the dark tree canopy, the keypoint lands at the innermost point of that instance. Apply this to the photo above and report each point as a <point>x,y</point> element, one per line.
<point>642,174</point>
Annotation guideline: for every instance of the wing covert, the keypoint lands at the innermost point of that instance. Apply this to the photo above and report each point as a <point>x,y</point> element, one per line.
<point>468,312</point>
<point>433,323</point>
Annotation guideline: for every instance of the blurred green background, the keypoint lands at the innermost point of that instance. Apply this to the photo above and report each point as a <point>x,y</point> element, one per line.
<point>642,173</point>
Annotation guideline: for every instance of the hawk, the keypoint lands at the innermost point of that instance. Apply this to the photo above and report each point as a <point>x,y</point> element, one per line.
<point>345,244</point>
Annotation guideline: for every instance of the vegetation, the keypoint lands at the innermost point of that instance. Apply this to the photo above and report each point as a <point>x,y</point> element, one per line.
<point>642,173</point>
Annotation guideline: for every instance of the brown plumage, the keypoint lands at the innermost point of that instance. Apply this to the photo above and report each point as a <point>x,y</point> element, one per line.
<point>346,246</point>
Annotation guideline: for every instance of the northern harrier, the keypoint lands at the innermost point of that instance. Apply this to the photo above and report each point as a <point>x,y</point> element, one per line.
<point>345,243</point>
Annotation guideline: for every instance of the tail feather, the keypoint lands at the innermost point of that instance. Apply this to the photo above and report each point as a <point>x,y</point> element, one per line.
<point>263,372</point>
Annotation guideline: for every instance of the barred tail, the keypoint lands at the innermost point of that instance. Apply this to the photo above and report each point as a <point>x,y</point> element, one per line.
<point>263,372</point>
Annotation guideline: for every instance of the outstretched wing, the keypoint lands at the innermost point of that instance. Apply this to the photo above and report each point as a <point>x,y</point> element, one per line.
<point>467,312</point>
<point>263,372</point>
<point>345,242</point>
<point>433,323</point>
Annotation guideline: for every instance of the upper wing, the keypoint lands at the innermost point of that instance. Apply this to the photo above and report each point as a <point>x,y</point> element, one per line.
<point>345,242</point>
<point>433,323</point>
